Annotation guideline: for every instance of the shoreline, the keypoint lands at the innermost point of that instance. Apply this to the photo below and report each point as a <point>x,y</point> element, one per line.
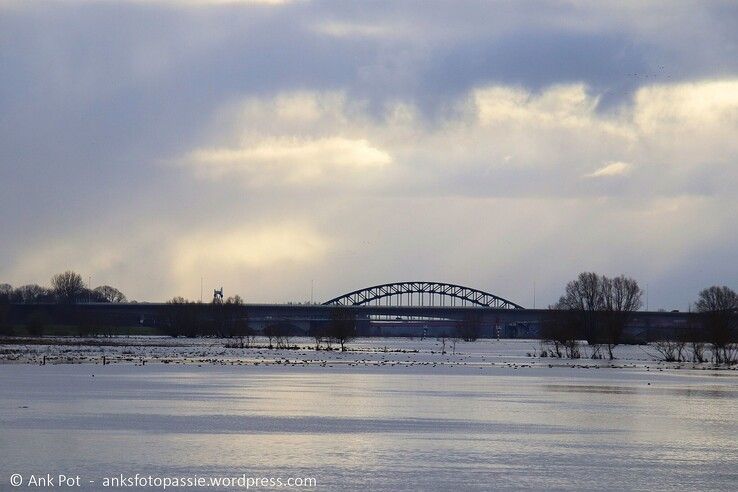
<point>363,352</point>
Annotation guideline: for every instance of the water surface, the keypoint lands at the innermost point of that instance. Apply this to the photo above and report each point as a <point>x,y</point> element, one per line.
<point>376,428</point>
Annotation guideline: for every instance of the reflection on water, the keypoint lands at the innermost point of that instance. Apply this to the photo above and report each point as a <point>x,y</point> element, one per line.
<point>688,392</point>
<point>587,388</point>
<point>380,428</point>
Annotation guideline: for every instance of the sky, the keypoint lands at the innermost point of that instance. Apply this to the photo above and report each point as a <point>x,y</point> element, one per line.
<point>278,148</point>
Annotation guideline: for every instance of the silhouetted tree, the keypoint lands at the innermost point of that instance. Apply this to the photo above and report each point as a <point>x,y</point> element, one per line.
<point>270,331</point>
<point>718,306</point>
<point>68,287</point>
<point>317,332</point>
<point>622,297</point>
<point>229,318</point>
<point>342,326</point>
<point>283,335</point>
<point>553,331</point>
<point>220,322</point>
<point>695,338</point>
<point>443,337</point>
<point>584,297</point>
<point>6,292</point>
<point>278,334</point>
<point>182,317</point>
<point>670,350</point>
<point>109,294</point>
<point>604,306</point>
<point>561,328</point>
<point>243,330</point>
<point>675,348</point>
<point>32,294</point>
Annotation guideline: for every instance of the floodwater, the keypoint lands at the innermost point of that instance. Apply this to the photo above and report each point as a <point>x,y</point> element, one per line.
<point>376,427</point>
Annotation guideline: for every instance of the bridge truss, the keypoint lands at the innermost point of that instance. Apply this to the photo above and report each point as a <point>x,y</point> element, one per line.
<point>421,294</point>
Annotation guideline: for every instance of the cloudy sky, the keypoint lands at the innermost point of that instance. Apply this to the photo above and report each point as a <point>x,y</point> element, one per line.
<point>264,145</point>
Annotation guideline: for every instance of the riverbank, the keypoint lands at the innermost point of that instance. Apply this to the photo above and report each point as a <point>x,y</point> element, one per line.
<point>362,352</point>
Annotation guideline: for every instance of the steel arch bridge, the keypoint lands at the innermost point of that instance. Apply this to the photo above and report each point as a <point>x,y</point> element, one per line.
<point>421,294</point>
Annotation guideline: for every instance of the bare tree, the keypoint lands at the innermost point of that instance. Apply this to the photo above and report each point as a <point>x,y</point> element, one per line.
<point>224,317</point>
<point>32,294</point>
<point>109,294</point>
<point>342,326</point>
<point>282,334</point>
<point>550,335</point>
<point>698,351</point>
<point>583,294</point>
<point>584,297</point>
<point>317,332</point>
<point>278,334</point>
<point>6,292</point>
<point>454,341</point>
<point>68,287</point>
<point>182,317</point>
<point>604,305</point>
<point>730,353</point>
<point>622,297</point>
<point>238,320</point>
<point>443,338</point>
<point>242,329</point>
<point>694,337</point>
<point>718,307</point>
<point>561,329</point>
<point>270,331</point>
<point>670,350</point>
<point>234,300</point>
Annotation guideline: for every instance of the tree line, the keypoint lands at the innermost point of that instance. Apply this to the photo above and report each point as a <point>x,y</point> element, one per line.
<point>225,319</point>
<point>222,318</point>
<point>66,288</point>
<point>596,309</point>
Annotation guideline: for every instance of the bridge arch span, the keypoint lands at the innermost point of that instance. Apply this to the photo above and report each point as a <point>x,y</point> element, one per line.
<point>430,291</point>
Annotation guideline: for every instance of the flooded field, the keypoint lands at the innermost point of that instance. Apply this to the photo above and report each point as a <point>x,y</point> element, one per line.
<point>383,417</point>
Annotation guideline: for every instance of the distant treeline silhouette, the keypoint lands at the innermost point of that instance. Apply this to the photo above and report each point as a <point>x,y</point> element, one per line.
<point>593,308</point>
<point>596,309</point>
<point>66,288</point>
<point>223,318</point>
